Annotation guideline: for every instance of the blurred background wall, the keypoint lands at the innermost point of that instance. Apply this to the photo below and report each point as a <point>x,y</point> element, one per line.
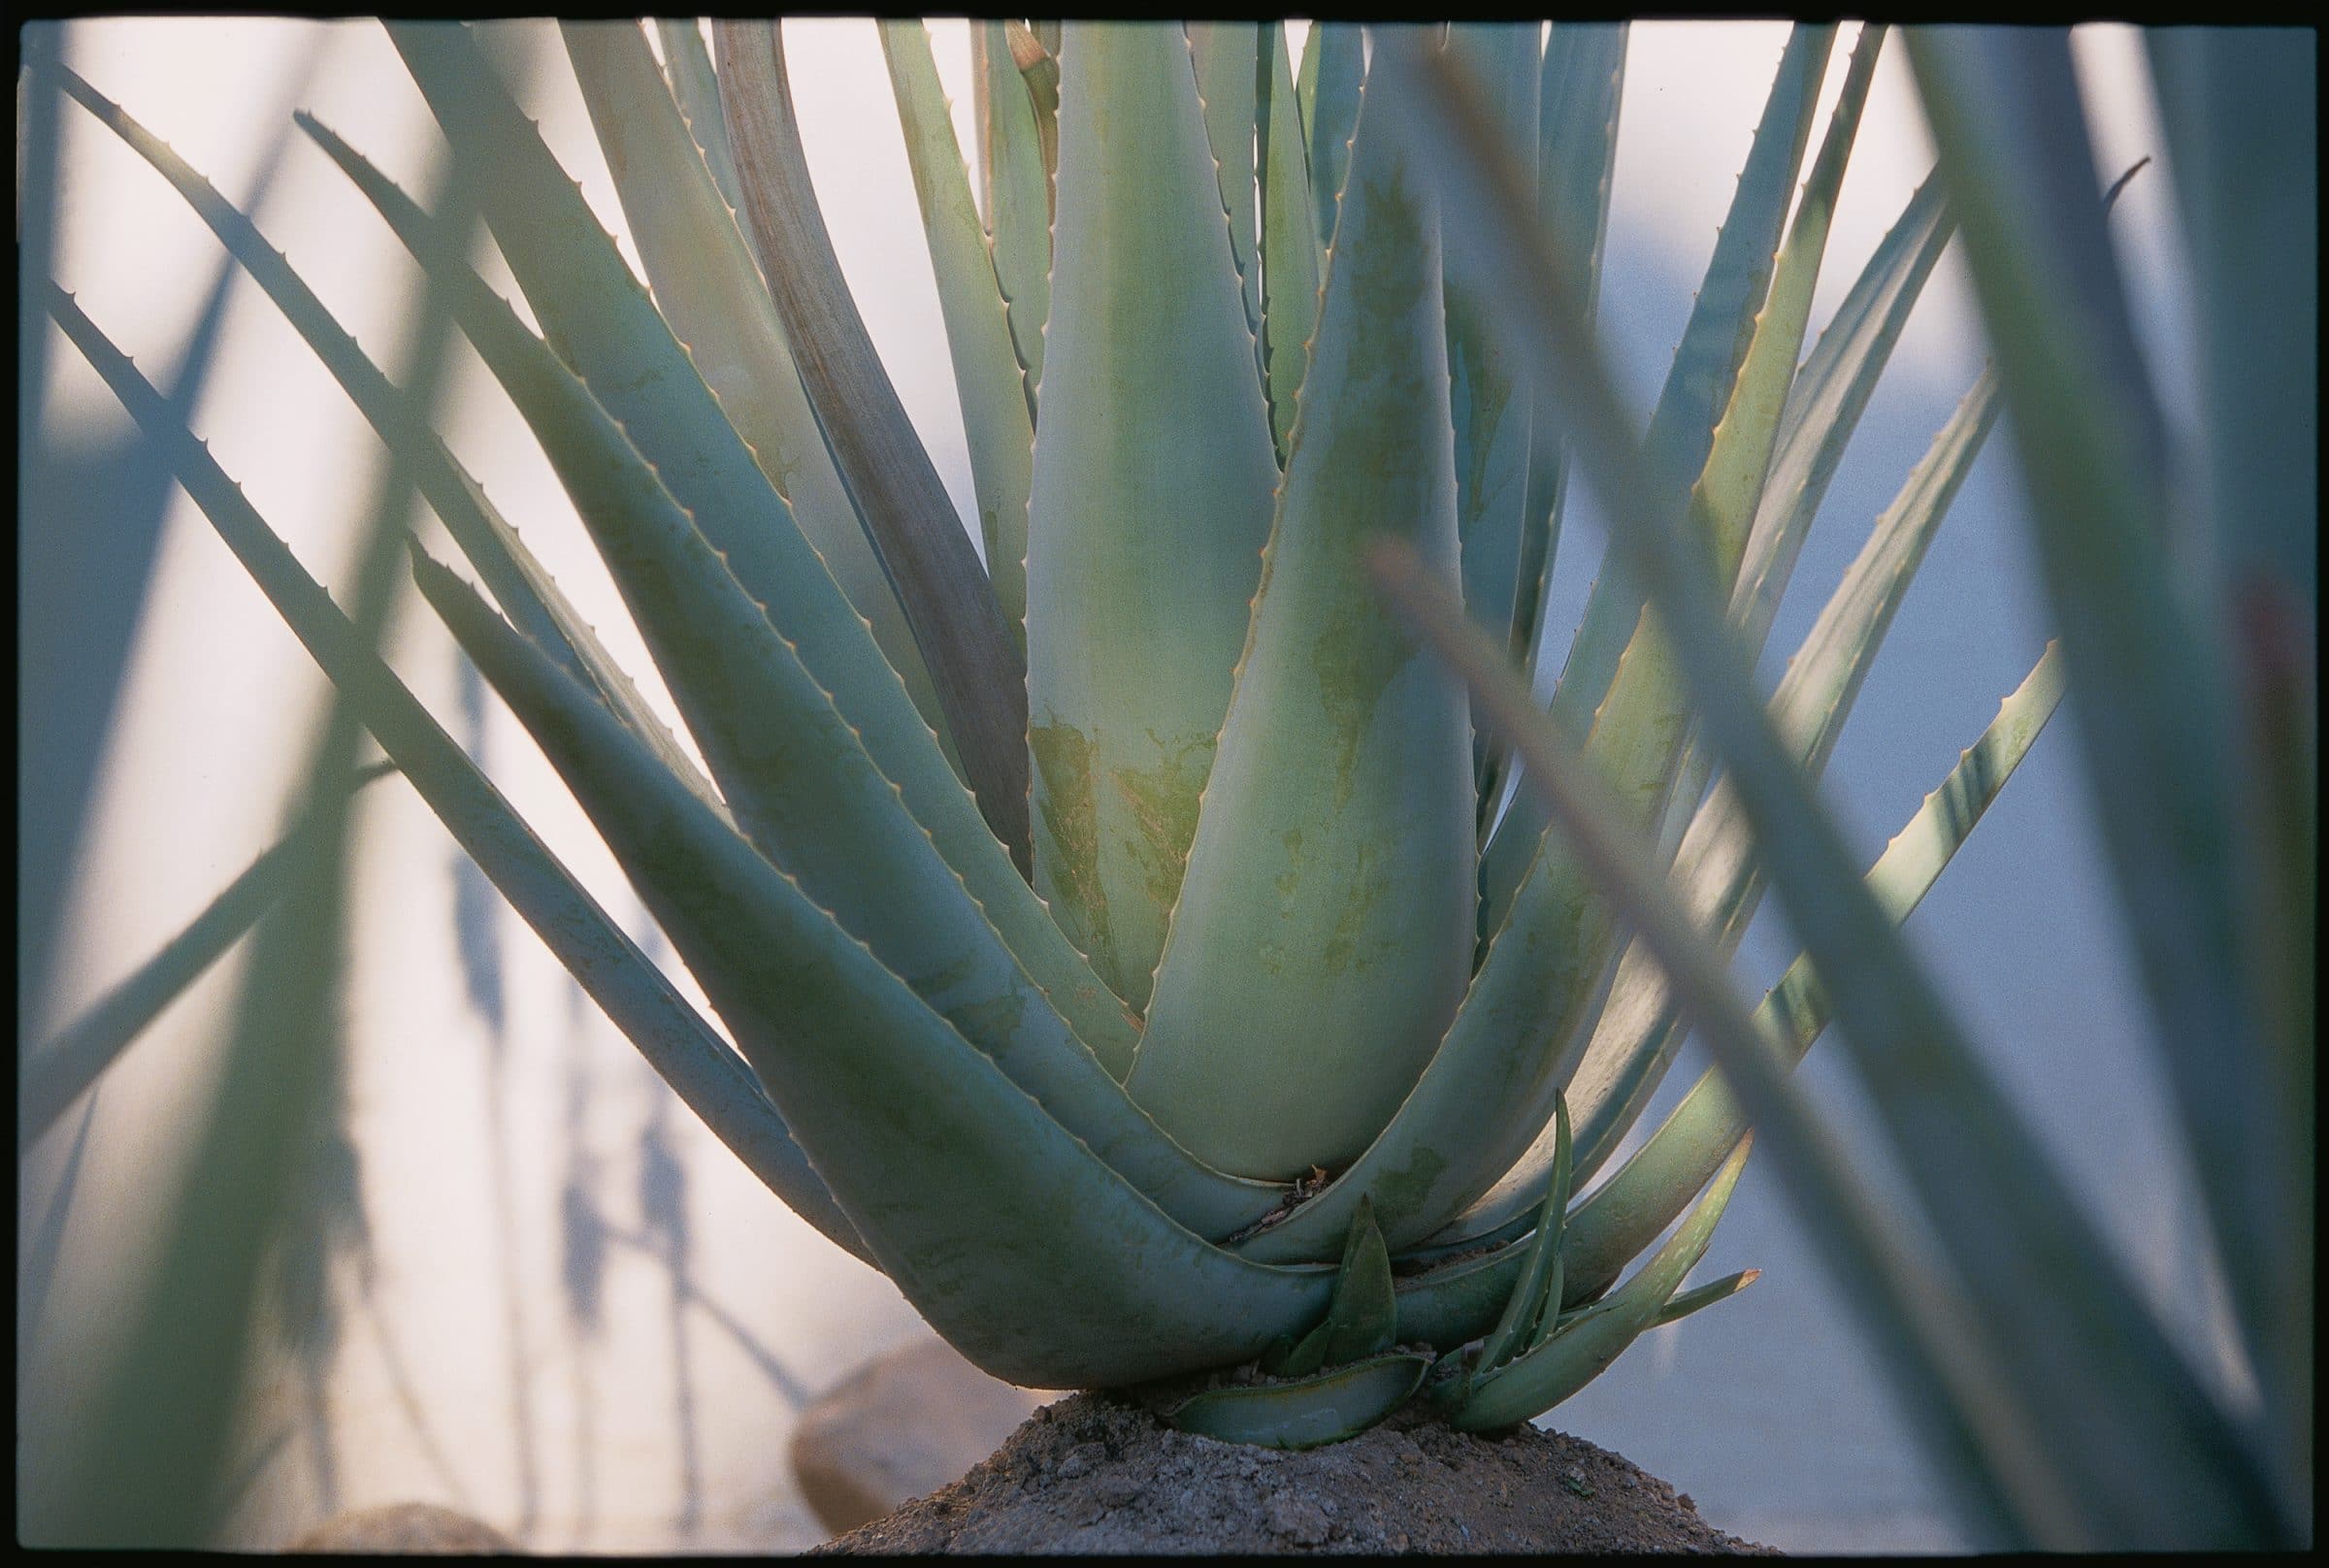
<point>526,1283</point>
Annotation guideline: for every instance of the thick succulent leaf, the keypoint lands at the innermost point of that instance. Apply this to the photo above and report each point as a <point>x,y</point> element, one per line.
<point>1714,865</point>
<point>1920,1323</point>
<point>1325,927</point>
<point>1536,1295</point>
<point>1035,54</point>
<point>2240,107</point>
<point>1019,196</point>
<point>1831,393</point>
<point>997,421</point>
<point>709,289</point>
<point>816,809</point>
<point>687,65</point>
<point>1013,1236</point>
<point>607,964</point>
<point>829,638</point>
<point>1332,118</point>
<point>501,557</point>
<point>2146,654</point>
<point>1697,388</point>
<point>1360,1321</point>
<point>1308,1412</point>
<point>58,1073</point>
<point>973,657</point>
<point>1655,1182</point>
<point>1714,343</point>
<point>1489,404</point>
<point>1225,53</point>
<point>744,689</point>
<point>2103,1382</point>
<point>1572,1356</point>
<point>1142,559</point>
<point>1579,90</point>
<point>1291,258</point>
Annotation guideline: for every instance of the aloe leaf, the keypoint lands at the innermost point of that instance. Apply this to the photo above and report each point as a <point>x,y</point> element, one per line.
<point>1704,1296</point>
<point>1489,405</point>
<point>1332,119</point>
<point>1536,1295</point>
<point>1361,1318</point>
<point>710,291</point>
<point>1035,55</point>
<point>1225,53</point>
<point>1583,84</point>
<point>817,810</point>
<point>828,810</point>
<point>58,1073</point>
<point>973,658</point>
<point>831,640</point>
<point>1570,1358</point>
<point>1290,263</point>
<point>2239,109</point>
<point>1305,83</point>
<point>2104,1382</point>
<point>1655,1182</point>
<point>1014,1237</point>
<point>1715,342</point>
<point>1324,925</point>
<point>1922,1322</point>
<point>1019,197</point>
<point>687,64</point>
<point>674,1041</point>
<point>501,557</point>
<point>1142,563</point>
<point>987,378</point>
<point>1308,1412</point>
<point>1640,1028</point>
<point>2147,655</point>
<point>1697,388</point>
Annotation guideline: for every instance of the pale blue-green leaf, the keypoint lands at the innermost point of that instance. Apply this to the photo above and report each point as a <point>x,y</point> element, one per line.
<point>1018,196</point>
<point>1305,1412</point>
<point>2239,109</point>
<point>1332,118</point>
<point>687,64</point>
<point>735,673</point>
<point>1715,864</point>
<point>2101,1379</point>
<point>1010,1235</point>
<point>1142,559</point>
<point>972,654</point>
<point>676,1043</point>
<point>1487,404</point>
<point>1536,1295</point>
<point>1697,387</point>
<point>807,798</point>
<point>987,374</point>
<point>1325,927</point>
<point>1582,82</point>
<point>1225,53</point>
<point>1655,1182</point>
<point>1291,261</point>
<point>1921,1321</point>
<point>1714,342</point>
<point>709,289</point>
<point>501,558</point>
<point>1575,1354</point>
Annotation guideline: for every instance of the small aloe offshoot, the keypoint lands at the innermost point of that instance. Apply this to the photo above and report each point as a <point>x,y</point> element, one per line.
<point>1123,934</point>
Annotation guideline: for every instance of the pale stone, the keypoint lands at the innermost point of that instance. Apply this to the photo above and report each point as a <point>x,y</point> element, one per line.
<point>899,1428</point>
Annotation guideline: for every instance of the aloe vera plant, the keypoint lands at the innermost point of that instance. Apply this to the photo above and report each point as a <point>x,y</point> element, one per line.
<point>1128,939</point>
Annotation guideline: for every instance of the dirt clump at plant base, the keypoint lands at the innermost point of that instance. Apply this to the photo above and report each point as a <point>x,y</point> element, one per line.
<point>1092,1474</point>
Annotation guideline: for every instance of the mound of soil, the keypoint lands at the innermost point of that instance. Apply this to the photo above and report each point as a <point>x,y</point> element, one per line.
<point>1093,1474</point>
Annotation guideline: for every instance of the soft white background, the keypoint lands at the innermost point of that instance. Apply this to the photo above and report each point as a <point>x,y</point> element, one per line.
<point>567,1310</point>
